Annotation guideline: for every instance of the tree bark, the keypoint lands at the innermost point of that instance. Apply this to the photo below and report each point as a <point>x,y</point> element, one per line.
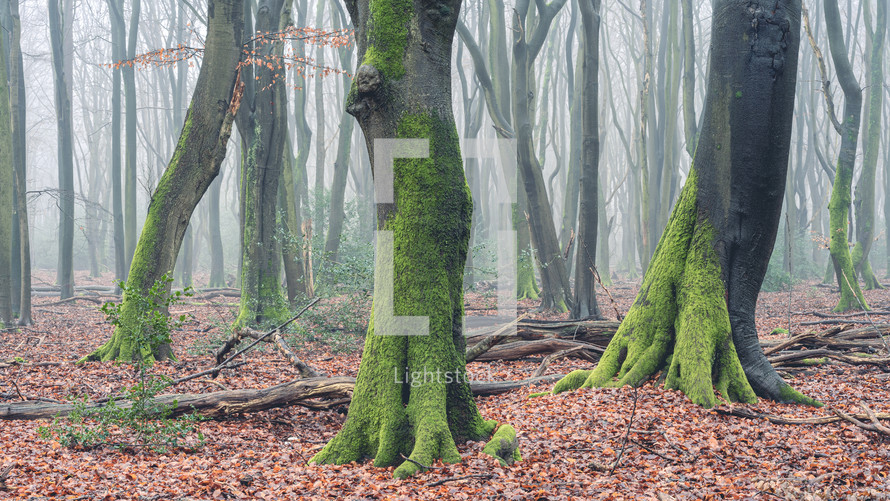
<point>694,315</point>
<point>195,163</point>
<point>865,188</point>
<point>130,126</point>
<point>412,396</point>
<point>584,304</point>
<point>118,51</point>
<point>7,171</point>
<point>19,124</point>
<point>266,125</point>
<point>839,205</point>
<point>65,272</point>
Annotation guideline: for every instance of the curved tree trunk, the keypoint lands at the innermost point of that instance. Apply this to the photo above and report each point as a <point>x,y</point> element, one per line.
<point>195,163</point>
<point>412,396</point>
<point>865,188</point>
<point>694,315</point>
<point>839,204</point>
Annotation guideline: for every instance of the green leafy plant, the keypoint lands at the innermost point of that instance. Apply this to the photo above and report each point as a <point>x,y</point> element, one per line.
<point>135,418</point>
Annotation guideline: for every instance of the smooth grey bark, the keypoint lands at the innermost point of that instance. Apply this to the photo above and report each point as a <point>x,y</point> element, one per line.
<point>65,273</point>
<point>118,52</point>
<point>17,104</point>
<point>130,128</point>
<point>584,304</point>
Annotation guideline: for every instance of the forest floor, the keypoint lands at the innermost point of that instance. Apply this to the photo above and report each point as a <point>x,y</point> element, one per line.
<point>672,450</point>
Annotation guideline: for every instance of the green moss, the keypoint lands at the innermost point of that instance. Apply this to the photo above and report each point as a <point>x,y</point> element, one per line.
<point>388,37</point>
<point>540,394</point>
<point>504,446</point>
<point>571,382</point>
<point>412,396</point>
<point>679,321</point>
<point>790,395</point>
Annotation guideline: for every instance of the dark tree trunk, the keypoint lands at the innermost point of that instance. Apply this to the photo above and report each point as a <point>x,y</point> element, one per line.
<point>694,315</point>
<point>130,167</point>
<point>195,163</point>
<point>121,261</point>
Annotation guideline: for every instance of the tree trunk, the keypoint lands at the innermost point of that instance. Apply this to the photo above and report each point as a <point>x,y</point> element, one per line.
<point>121,261</point>
<point>7,169</point>
<point>526,47</point>
<point>217,258</point>
<point>65,272</point>
<point>839,205</point>
<point>261,297</point>
<point>195,163</point>
<point>130,167</point>
<point>17,101</point>
<point>584,304</point>
<point>865,188</point>
<point>694,315</point>
<point>412,396</point>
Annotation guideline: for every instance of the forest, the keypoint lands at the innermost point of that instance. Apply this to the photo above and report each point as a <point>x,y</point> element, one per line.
<point>444,249</point>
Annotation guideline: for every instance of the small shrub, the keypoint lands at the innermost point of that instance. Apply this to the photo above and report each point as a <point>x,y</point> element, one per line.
<point>135,419</point>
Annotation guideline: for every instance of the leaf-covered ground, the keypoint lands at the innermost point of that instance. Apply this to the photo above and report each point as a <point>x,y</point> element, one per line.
<point>672,450</point>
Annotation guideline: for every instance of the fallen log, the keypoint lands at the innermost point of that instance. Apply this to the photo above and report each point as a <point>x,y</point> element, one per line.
<point>315,393</point>
<point>597,332</point>
<point>524,349</point>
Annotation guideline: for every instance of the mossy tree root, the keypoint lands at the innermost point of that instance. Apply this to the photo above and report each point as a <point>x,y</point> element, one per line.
<point>679,321</point>
<point>504,446</point>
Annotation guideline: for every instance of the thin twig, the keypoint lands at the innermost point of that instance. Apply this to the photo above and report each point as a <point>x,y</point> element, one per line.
<point>633,412</point>
<point>423,466</point>
<point>484,476</point>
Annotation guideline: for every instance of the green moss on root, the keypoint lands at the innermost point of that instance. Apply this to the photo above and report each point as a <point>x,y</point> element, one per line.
<point>504,446</point>
<point>412,395</point>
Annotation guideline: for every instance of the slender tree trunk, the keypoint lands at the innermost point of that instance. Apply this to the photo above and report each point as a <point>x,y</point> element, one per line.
<point>130,171</point>
<point>694,315</point>
<point>65,273</point>
<point>402,90</point>
<point>118,51</point>
<point>839,205</point>
<point>195,163</point>
<point>865,188</point>
<point>17,102</point>
<point>584,304</point>
<point>7,175</point>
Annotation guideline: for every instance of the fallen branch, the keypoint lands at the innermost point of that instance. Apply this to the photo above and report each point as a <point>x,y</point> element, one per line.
<point>525,349</point>
<point>489,341</point>
<point>577,351</point>
<point>772,418</point>
<point>314,393</point>
<point>483,476</point>
<point>779,360</point>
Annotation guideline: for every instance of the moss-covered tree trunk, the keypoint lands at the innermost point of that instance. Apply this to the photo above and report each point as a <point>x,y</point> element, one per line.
<point>412,396</point>
<point>195,163</point>
<point>865,188</point>
<point>261,296</point>
<point>839,204</point>
<point>584,304</point>
<point>694,315</point>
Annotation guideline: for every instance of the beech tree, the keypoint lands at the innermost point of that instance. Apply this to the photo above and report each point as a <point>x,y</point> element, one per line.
<point>412,396</point>
<point>195,163</point>
<point>694,314</point>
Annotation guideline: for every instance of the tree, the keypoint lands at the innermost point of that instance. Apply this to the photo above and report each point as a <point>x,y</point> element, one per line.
<point>121,257</point>
<point>585,304</point>
<point>871,136</point>
<point>412,396</point>
<point>839,204</point>
<point>58,23</point>
<point>263,129</point>
<point>694,315</point>
<point>7,168</point>
<point>17,104</point>
<point>195,163</point>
